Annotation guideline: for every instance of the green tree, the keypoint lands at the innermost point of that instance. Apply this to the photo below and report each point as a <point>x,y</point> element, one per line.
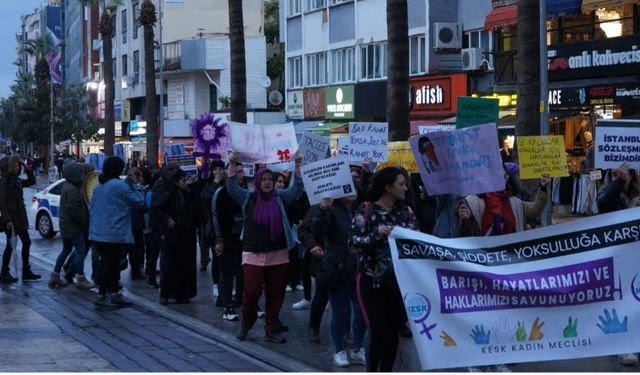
<point>275,63</point>
<point>398,74</point>
<point>238,62</point>
<point>148,20</point>
<point>106,29</point>
<point>72,119</point>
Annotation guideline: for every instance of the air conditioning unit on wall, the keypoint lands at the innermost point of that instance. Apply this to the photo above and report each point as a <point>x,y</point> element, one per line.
<point>472,58</point>
<point>447,35</point>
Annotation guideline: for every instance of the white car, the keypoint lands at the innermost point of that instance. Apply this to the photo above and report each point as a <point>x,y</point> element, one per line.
<point>44,210</point>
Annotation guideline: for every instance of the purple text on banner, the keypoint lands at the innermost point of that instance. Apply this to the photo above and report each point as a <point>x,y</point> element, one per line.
<point>575,284</point>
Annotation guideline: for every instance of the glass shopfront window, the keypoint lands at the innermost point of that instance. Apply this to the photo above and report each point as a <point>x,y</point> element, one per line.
<point>602,23</point>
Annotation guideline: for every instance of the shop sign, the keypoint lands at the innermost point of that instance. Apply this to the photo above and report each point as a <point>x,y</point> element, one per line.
<point>117,110</point>
<point>504,100</point>
<point>600,95</point>
<point>295,104</point>
<point>125,110</point>
<point>570,97</point>
<point>314,103</point>
<point>339,102</point>
<point>118,128</point>
<point>589,59</point>
<point>431,94</point>
<point>137,128</point>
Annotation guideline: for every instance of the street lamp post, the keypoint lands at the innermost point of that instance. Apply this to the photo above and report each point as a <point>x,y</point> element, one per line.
<point>161,58</point>
<point>544,98</point>
<point>52,169</point>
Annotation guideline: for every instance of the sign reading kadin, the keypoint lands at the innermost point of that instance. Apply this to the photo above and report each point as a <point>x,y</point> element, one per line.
<point>542,154</point>
<point>476,111</point>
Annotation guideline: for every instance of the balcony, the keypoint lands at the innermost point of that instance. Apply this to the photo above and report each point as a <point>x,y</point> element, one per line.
<point>172,56</point>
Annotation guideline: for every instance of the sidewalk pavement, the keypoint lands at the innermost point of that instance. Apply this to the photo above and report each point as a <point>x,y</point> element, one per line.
<point>44,330</point>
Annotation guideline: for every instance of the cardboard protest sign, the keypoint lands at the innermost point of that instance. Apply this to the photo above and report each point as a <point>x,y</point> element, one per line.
<point>617,141</point>
<point>400,154</point>
<point>435,128</point>
<point>463,161</point>
<point>564,291</point>
<point>542,154</point>
<point>476,111</point>
<point>328,178</point>
<point>343,146</point>
<point>368,139</point>
<point>249,169</point>
<point>186,162</point>
<point>282,166</point>
<point>314,147</point>
<point>263,143</point>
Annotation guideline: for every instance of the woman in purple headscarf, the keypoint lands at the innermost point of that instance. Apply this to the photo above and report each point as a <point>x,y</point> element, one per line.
<point>267,239</point>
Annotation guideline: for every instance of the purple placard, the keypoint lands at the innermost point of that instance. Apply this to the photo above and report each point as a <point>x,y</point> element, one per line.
<point>575,284</point>
<point>463,161</point>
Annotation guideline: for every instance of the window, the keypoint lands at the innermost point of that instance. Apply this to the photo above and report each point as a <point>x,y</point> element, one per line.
<point>317,69</point>
<point>136,16</point>
<point>125,71</point>
<point>115,70</point>
<point>136,65</point>
<point>334,2</point>
<point>343,65</point>
<point>295,7</point>
<point>417,57</point>
<point>295,72</point>
<point>480,39</point>
<point>124,26</point>
<point>56,190</point>
<point>315,4</point>
<point>373,61</point>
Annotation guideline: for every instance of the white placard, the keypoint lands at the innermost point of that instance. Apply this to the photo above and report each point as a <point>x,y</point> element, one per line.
<point>263,143</point>
<point>426,129</point>
<point>329,178</point>
<point>368,139</point>
<point>283,166</point>
<point>314,147</point>
<point>617,141</point>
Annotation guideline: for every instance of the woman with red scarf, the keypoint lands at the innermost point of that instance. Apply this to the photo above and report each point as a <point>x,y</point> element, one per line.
<point>267,239</point>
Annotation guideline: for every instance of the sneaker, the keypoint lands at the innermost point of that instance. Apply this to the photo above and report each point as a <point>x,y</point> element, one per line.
<point>153,283</point>
<point>102,302</point>
<point>299,287</point>
<point>230,314</point>
<point>83,283</point>
<point>260,313</point>
<point>358,357</point>
<point>117,299</point>
<point>289,289</point>
<point>314,335</point>
<point>55,281</point>
<point>630,359</point>
<point>7,277</point>
<point>275,337</point>
<point>68,277</point>
<point>500,368</point>
<point>340,359</point>
<point>302,305</point>
<point>28,275</point>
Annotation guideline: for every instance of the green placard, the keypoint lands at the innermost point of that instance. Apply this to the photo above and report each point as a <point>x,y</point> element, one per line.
<point>476,111</point>
<point>340,102</point>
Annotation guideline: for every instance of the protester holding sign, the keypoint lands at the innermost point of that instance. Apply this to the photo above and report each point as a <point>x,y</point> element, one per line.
<point>381,298</point>
<point>267,239</point>
<point>338,274</point>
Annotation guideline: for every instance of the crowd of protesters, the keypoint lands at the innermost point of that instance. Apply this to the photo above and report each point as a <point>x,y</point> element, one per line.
<point>260,236</point>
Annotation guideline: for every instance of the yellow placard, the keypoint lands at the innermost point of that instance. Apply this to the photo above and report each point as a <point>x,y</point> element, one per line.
<point>542,154</point>
<point>400,155</point>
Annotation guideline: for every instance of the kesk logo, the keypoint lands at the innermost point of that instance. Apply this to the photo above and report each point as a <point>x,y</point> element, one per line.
<point>419,309</point>
<point>635,287</point>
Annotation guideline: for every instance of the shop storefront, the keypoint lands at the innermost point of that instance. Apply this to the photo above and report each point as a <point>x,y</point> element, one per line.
<point>434,99</point>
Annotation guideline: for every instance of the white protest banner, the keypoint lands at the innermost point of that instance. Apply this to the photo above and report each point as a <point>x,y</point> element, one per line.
<point>426,129</point>
<point>186,162</point>
<point>463,161</point>
<point>617,141</point>
<point>314,147</point>
<point>283,166</point>
<point>263,143</point>
<point>368,139</point>
<point>564,291</point>
<point>328,178</point>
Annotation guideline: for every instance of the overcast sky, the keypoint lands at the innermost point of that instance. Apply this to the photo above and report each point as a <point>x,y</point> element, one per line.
<point>9,26</point>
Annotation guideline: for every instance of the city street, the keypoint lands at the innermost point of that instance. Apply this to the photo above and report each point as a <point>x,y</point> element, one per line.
<point>58,330</point>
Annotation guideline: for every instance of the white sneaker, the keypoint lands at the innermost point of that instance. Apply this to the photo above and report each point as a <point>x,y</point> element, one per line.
<point>501,368</point>
<point>630,359</point>
<point>230,314</point>
<point>474,369</point>
<point>215,290</point>
<point>299,287</point>
<point>340,359</point>
<point>302,305</point>
<point>358,357</point>
<point>260,313</point>
<point>288,289</point>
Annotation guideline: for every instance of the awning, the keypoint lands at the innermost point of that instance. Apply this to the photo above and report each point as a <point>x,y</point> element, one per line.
<point>502,16</point>
<point>557,8</point>
<point>448,121</point>
<point>589,5</point>
<point>326,128</point>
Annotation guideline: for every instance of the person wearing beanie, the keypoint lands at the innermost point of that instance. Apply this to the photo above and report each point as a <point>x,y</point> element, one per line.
<point>110,227</point>
<point>14,215</point>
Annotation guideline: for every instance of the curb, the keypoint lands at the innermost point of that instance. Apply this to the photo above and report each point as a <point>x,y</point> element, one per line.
<point>227,340</point>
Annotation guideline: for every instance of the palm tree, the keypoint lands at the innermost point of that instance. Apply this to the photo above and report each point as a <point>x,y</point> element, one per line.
<point>148,20</point>
<point>238,63</point>
<point>106,29</point>
<point>398,75</point>
<point>528,71</point>
<point>39,48</point>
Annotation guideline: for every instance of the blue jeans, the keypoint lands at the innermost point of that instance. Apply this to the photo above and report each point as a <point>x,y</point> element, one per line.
<point>68,244</point>
<point>343,300</point>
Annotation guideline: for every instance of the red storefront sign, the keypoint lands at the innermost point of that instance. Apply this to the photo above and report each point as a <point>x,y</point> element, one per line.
<point>436,94</point>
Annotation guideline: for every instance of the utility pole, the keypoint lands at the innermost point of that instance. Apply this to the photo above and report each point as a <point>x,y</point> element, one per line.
<point>544,100</point>
<point>161,58</point>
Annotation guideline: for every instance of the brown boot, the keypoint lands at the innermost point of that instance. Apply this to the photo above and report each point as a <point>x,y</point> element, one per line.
<point>83,283</point>
<point>55,281</point>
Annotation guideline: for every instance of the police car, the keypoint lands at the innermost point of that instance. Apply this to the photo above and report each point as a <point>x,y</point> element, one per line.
<point>44,210</point>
